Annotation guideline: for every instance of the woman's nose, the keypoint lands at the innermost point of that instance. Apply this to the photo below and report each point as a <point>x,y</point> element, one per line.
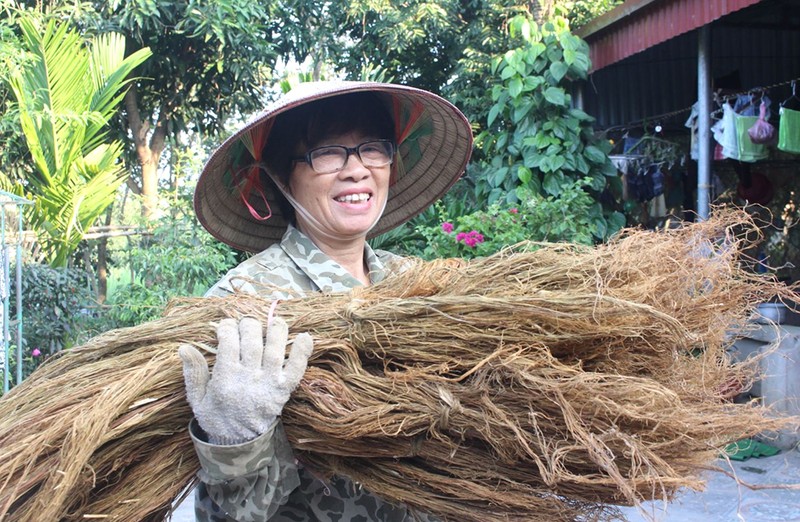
<point>354,169</point>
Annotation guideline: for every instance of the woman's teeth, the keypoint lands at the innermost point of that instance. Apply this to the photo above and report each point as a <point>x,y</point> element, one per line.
<point>353,198</point>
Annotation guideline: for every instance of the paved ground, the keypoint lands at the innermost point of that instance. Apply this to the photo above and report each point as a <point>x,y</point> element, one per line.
<point>722,501</point>
<point>726,501</point>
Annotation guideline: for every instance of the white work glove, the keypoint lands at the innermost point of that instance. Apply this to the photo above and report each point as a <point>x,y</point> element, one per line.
<point>250,383</point>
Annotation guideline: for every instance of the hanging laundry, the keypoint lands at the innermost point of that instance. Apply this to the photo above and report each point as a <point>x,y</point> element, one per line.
<point>628,143</point>
<point>645,183</point>
<point>621,162</point>
<point>762,131</point>
<point>731,132</point>
<point>747,150</point>
<point>750,103</point>
<point>725,132</point>
<point>657,208</point>
<point>627,166</point>
<point>789,131</point>
<point>692,123</point>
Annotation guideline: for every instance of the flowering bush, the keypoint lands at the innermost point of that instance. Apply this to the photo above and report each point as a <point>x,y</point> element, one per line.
<point>31,359</point>
<point>567,217</point>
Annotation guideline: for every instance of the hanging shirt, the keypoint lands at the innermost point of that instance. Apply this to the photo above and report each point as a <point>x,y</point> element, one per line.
<point>260,480</point>
<point>748,104</point>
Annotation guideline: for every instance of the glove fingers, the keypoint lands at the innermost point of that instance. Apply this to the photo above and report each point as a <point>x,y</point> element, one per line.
<point>195,373</point>
<point>251,342</point>
<point>228,339</point>
<point>275,348</point>
<point>298,360</point>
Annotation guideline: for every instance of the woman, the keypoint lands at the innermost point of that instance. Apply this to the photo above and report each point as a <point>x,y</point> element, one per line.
<point>304,185</point>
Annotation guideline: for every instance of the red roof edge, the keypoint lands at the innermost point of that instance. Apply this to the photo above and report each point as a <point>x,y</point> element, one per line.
<point>637,25</point>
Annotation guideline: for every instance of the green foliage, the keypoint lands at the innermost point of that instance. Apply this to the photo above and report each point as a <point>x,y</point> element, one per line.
<point>55,303</point>
<point>179,260</point>
<point>14,159</point>
<point>568,217</point>
<point>445,46</point>
<point>210,59</point>
<point>31,359</point>
<point>408,239</point>
<point>534,141</point>
<point>581,12</point>
<point>66,93</point>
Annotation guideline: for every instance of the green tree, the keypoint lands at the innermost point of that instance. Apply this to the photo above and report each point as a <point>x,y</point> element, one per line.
<point>182,260</point>
<point>444,45</point>
<point>581,12</point>
<point>211,61</point>
<point>66,93</point>
<point>534,140</point>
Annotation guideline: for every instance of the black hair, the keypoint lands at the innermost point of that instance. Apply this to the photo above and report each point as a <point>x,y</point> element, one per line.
<point>300,129</point>
<point>303,128</point>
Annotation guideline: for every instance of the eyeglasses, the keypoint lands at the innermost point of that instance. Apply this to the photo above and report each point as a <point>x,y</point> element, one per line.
<point>333,158</point>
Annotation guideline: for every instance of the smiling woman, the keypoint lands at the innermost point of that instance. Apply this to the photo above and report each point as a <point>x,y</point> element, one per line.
<point>304,185</point>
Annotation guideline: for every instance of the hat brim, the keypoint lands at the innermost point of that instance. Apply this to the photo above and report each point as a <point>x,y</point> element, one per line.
<point>440,159</point>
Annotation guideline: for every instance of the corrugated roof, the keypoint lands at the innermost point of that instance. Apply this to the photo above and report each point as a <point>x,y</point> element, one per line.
<point>752,48</point>
<point>637,25</point>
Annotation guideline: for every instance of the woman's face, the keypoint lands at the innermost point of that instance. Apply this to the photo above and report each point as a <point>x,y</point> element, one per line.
<point>347,203</point>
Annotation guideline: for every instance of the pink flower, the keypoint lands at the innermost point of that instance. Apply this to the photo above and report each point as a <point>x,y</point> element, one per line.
<point>36,352</point>
<point>471,239</point>
<point>514,210</point>
<point>447,227</point>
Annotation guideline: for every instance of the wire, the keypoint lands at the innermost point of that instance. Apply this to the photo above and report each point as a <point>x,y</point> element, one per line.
<point>718,99</point>
<point>729,97</point>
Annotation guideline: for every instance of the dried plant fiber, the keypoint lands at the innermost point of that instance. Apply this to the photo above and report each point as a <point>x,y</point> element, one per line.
<point>537,384</point>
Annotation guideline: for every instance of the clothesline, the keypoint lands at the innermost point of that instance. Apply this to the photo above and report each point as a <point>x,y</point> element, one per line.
<point>729,97</point>
<point>668,115</point>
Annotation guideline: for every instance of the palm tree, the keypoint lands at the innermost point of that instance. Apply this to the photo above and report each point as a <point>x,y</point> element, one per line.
<point>66,95</point>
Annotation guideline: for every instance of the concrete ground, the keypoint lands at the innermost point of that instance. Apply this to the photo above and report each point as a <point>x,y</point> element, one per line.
<point>723,500</point>
<point>726,501</point>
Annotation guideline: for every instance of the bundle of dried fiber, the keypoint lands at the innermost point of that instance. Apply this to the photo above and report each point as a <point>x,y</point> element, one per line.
<point>534,384</point>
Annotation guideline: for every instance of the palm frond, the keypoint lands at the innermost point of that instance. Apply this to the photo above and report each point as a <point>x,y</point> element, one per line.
<point>66,96</point>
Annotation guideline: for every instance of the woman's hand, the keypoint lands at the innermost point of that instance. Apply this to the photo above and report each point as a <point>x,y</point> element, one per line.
<point>250,383</point>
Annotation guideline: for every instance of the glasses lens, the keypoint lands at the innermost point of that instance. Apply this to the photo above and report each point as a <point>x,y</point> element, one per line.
<point>376,153</point>
<point>328,159</point>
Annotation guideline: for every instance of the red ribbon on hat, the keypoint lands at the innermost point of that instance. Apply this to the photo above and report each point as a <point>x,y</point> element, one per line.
<point>249,178</point>
<point>404,125</point>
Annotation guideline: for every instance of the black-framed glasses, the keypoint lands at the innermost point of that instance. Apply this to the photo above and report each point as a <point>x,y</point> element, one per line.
<point>333,158</point>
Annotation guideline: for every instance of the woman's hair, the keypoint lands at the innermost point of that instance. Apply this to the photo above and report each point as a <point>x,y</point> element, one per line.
<point>300,129</point>
<point>305,127</point>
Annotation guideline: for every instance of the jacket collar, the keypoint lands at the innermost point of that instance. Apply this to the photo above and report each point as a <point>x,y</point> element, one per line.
<point>328,275</point>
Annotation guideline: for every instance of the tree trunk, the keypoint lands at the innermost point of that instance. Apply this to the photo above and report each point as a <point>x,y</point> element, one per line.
<point>542,10</point>
<point>148,151</point>
<point>102,262</point>
<point>149,189</point>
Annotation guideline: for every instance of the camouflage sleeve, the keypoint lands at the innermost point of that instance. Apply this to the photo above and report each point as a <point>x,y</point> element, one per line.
<point>248,482</point>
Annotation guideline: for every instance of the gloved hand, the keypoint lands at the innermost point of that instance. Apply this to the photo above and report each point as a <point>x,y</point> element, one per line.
<point>250,383</point>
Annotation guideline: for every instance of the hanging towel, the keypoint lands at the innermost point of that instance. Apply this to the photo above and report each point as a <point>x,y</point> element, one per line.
<point>748,151</point>
<point>789,131</point>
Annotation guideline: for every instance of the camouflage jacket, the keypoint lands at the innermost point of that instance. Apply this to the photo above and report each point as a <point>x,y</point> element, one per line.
<point>260,480</point>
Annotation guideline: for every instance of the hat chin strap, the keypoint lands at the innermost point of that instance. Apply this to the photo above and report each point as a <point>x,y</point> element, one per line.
<point>314,223</point>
